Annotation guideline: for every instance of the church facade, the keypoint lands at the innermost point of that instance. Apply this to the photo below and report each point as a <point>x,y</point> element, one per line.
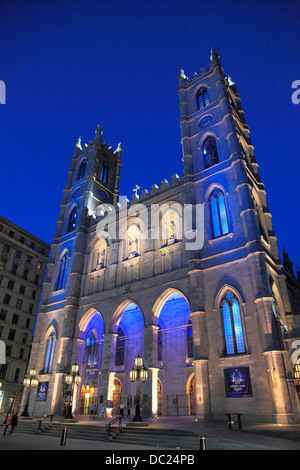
<point>202,298</point>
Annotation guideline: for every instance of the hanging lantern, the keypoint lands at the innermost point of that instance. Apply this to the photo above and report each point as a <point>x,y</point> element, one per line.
<point>34,382</point>
<point>138,361</point>
<point>133,375</point>
<point>26,382</point>
<point>69,379</point>
<point>75,368</point>
<point>143,374</point>
<point>77,379</point>
<point>32,372</point>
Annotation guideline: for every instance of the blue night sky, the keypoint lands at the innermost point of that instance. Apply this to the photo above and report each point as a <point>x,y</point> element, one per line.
<point>69,65</point>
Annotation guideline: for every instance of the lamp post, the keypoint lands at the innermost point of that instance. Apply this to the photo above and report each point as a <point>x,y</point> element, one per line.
<point>29,382</point>
<point>73,379</point>
<point>140,374</point>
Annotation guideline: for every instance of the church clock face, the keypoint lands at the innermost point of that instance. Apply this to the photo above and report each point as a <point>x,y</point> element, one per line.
<point>103,195</point>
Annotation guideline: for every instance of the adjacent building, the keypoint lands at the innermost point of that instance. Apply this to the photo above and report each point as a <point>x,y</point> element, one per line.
<point>188,276</point>
<point>23,261</point>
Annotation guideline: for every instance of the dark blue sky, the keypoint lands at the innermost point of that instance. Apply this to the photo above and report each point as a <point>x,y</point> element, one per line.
<point>69,65</point>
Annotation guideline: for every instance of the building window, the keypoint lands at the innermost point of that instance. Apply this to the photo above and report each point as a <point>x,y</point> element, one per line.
<point>19,303</point>
<point>24,339</point>
<point>218,214</point>
<point>232,322</point>
<point>210,152</point>
<point>203,99</point>
<point>72,219</point>
<point>22,289</point>
<point>64,263</point>
<point>11,334</point>
<point>189,337</point>
<point>17,373</point>
<point>15,319</point>
<point>10,284</point>
<point>49,353</point>
<point>25,274</point>
<point>104,173</point>
<point>3,314</point>
<point>6,299</point>
<point>120,348</point>
<point>14,268</point>
<point>81,171</point>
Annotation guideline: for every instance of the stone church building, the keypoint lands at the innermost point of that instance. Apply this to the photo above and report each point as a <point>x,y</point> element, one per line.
<point>204,301</point>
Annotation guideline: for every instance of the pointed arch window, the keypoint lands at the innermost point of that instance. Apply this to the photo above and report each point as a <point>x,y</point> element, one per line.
<point>189,338</point>
<point>49,353</point>
<point>218,212</point>
<point>64,264</point>
<point>91,339</point>
<point>232,322</point>
<point>104,173</point>
<point>81,171</point>
<point>210,152</point>
<point>72,219</point>
<point>203,99</point>
<point>120,348</point>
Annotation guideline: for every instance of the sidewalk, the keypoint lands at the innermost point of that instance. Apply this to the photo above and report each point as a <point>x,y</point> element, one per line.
<point>217,434</point>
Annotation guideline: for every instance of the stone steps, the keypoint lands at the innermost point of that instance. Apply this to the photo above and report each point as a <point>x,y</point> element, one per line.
<point>153,437</point>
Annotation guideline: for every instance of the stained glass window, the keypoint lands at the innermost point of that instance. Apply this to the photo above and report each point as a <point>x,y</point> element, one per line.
<point>104,173</point>
<point>120,348</point>
<point>49,353</point>
<point>203,100</point>
<point>233,329</point>
<point>210,152</point>
<point>61,282</point>
<point>218,214</point>
<point>72,219</point>
<point>81,172</point>
<point>189,333</point>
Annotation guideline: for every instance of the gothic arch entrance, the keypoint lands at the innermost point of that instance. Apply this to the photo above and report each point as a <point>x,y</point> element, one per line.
<point>86,399</point>
<point>117,396</point>
<point>191,395</point>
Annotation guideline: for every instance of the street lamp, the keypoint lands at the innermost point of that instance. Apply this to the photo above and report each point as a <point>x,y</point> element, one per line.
<point>74,379</point>
<point>140,374</point>
<point>29,382</point>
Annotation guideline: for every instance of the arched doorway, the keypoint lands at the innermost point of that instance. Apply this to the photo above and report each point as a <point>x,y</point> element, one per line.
<point>191,395</point>
<point>86,399</point>
<point>117,396</point>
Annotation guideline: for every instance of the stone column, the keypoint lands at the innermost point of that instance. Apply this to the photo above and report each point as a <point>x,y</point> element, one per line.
<point>108,361</point>
<point>149,388</point>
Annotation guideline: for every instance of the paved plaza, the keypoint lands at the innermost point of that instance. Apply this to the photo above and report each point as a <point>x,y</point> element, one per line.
<point>217,434</point>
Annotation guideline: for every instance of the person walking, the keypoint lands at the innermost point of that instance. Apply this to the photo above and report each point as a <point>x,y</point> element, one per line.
<point>13,422</point>
<point>92,409</point>
<point>6,424</point>
<point>122,406</point>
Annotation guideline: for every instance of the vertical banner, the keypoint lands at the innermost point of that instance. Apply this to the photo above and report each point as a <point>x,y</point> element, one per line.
<point>42,391</point>
<point>237,382</point>
<point>91,364</point>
